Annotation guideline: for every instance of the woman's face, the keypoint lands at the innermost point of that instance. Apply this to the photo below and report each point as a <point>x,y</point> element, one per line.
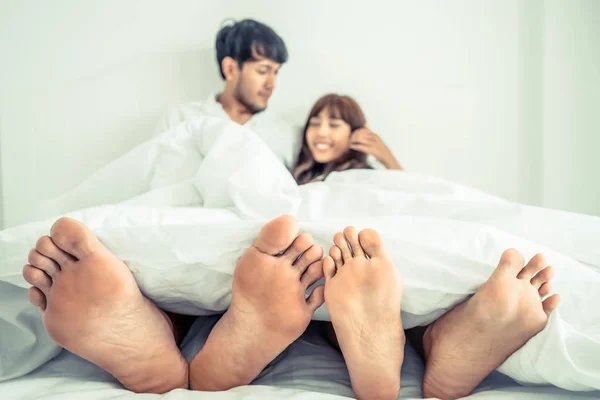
<point>327,136</point>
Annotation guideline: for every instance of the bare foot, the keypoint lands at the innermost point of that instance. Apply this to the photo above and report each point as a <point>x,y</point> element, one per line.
<point>268,307</point>
<point>92,306</point>
<point>363,293</point>
<point>474,338</point>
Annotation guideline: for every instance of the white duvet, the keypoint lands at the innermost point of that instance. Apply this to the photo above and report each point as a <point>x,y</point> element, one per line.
<point>182,208</point>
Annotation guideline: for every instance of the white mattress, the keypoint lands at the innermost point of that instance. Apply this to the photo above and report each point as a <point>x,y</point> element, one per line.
<point>308,369</point>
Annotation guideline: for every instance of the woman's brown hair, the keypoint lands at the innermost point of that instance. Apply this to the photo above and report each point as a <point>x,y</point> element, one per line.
<point>345,108</point>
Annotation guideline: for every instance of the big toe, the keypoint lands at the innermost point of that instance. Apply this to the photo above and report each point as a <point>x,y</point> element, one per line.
<point>277,235</point>
<point>511,262</point>
<point>371,242</point>
<point>73,237</point>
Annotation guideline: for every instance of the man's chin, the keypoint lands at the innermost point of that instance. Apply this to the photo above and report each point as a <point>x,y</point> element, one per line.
<point>258,108</point>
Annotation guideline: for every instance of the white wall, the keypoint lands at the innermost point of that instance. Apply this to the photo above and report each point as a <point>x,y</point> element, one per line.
<point>531,100</point>
<point>83,82</point>
<point>571,172</point>
<point>455,88</point>
<point>1,189</point>
<point>438,80</point>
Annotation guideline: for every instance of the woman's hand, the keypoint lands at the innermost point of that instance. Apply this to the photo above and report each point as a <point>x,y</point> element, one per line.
<point>367,141</point>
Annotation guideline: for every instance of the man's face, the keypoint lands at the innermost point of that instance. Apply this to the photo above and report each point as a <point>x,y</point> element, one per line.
<point>256,83</point>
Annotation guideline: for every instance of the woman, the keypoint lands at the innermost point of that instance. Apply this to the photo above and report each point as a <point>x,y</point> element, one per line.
<point>337,138</point>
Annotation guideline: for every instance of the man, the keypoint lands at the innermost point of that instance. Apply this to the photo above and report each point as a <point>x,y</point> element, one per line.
<point>250,55</point>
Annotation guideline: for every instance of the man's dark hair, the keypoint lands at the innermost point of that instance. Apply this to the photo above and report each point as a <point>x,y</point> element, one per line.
<point>246,39</point>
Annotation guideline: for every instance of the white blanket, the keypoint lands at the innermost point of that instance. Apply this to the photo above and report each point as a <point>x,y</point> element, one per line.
<point>182,208</point>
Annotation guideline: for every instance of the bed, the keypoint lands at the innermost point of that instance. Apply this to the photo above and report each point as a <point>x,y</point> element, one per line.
<point>214,183</point>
